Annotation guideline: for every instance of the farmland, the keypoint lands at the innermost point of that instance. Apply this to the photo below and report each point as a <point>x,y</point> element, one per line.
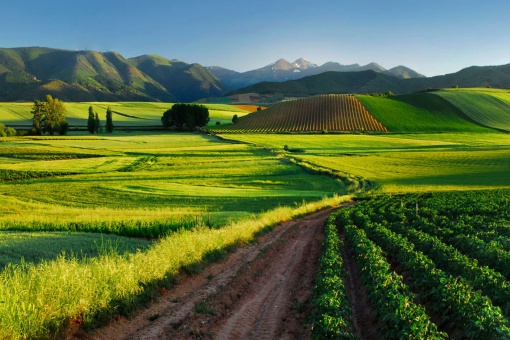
<point>129,212</point>
<point>449,252</point>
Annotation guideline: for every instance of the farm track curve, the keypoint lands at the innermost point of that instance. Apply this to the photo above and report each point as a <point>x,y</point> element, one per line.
<point>261,291</point>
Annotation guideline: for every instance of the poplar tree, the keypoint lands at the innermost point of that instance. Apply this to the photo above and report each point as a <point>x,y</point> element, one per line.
<point>91,121</point>
<point>97,123</point>
<point>109,120</point>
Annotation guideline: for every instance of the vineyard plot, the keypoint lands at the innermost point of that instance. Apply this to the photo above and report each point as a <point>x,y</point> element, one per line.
<point>337,113</point>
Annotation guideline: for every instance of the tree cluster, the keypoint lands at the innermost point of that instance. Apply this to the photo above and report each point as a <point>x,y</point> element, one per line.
<point>185,117</point>
<point>6,131</point>
<point>49,116</point>
<point>93,122</point>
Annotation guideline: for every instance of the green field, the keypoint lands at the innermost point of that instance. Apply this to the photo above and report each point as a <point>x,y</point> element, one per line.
<point>405,163</point>
<point>125,114</point>
<point>186,173</point>
<point>422,112</point>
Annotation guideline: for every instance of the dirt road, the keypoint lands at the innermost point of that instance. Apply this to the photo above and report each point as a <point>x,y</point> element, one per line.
<point>261,291</point>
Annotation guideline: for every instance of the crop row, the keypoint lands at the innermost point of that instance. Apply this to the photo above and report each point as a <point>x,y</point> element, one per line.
<point>333,313</point>
<point>390,297</point>
<point>318,113</point>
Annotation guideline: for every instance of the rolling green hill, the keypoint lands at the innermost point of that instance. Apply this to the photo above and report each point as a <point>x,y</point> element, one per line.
<point>461,110</point>
<point>419,112</point>
<point>486,107</point>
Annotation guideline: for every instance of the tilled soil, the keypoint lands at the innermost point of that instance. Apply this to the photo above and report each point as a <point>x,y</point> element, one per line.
<point>261,291</point>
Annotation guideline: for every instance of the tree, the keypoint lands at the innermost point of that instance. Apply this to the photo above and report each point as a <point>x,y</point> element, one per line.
<point>109,120</point>
<point>185,117</point>
<point>97,123</point>
<point>91,122</point>
<point>235,119</point>
<point>39,115</point>
<point>49,116</point>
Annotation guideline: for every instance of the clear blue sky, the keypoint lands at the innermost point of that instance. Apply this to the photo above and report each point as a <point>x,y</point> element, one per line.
<point>431,36</point>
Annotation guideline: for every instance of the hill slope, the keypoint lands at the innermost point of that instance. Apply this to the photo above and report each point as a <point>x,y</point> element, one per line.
<point>319,113</point>
<point>188,82</point>
<point>484,107</point>
<point>419,112</point>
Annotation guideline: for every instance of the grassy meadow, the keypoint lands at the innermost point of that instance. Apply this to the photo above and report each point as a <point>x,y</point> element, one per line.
<point>406,162</point>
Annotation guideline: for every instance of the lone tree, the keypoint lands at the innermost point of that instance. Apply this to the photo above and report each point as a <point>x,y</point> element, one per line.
<point>109,120</point>
<point>91,122</point>
<point>235,119</point>
<point>49,116</point>
<point>97,123</point>
<point>185,117</point>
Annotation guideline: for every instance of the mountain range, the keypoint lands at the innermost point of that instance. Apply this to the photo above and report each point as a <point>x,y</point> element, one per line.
<point>282,70</point>
<point>370,81</point>
<point>29,73</point>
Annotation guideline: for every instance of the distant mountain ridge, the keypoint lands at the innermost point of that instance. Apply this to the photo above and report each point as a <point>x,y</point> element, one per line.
<point>379,82</point>
<point>31,72</point>
<point>283,70</point>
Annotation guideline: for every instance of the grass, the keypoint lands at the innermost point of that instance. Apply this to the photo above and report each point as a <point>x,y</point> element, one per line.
<point>36,247</point>
<point>489,108</point>
<point>405,163</point>
<point>422,112</point>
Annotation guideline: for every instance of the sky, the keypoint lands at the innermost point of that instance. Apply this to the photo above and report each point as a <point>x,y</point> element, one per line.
<point>433,37</point>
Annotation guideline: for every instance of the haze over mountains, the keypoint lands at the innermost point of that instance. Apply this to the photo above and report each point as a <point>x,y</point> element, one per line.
<point>31,72</point>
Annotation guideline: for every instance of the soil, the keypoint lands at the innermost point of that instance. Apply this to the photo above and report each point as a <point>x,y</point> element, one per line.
<point>260,291</point>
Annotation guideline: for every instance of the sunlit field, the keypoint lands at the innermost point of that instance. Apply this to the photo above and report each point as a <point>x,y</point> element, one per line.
<point>405,163</point>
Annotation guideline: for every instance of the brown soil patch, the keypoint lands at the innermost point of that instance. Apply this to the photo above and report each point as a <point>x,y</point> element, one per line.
<point>261,291</point>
